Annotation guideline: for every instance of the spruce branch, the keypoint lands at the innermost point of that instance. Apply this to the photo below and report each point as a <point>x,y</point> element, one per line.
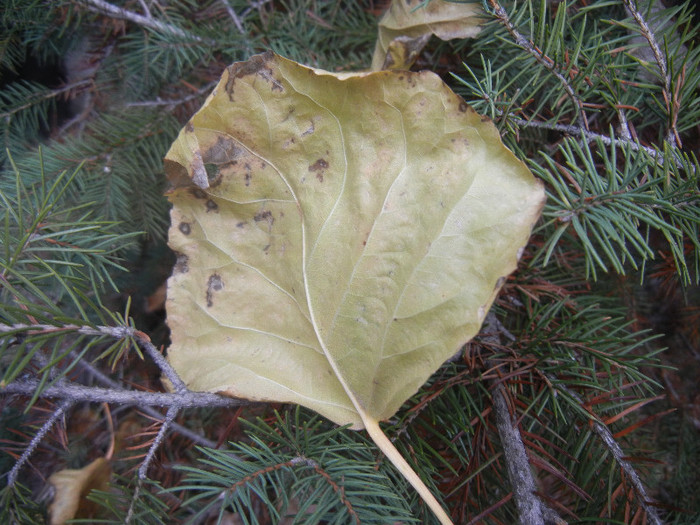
<point>77,393</point>
<point>520,475</point>
<point>60,410</point>
<point>117,332</point>
<point>147,409</point>
<point>237,21</point>
<point>114,393</point>
<point>171,103</point>
<point>54,93</point>
<point>143,468</point>
<point>502,15</point>
<point>614,448</point>
<point>181,398</point>
<point>671,103</point>
<point>105,8</point>
<point>517,463</point>
<point>626,140</point>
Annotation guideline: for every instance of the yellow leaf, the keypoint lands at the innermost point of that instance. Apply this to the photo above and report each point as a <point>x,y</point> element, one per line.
<point>407,26</point>
<point>72,487</point>
<point>338,236</point>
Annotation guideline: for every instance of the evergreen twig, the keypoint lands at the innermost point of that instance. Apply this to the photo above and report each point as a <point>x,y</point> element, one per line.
<point>146,463</point>
<point>111,10</point>
<point>517,464</point>
<point>54,93</point>
<point>60,410</point>
<point>186,432</point>
<point>237,21</point>
<point>502,16</point>
<point>671,107</point>
<point>171,103</point>
<point>81,393</point>
<point>117,332</point>
<point>625,140</point>
<point>614,447</point>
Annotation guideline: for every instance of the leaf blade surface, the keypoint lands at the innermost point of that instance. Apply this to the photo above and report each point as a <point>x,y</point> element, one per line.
<point>338,235</point>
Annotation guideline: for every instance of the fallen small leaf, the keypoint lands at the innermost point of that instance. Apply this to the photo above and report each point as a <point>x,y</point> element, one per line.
<point>72,487</point>
<point>406,27</point>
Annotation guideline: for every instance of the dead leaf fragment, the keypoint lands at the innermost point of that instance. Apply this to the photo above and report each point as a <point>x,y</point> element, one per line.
<point>407,26</point>
<point>73,486</point>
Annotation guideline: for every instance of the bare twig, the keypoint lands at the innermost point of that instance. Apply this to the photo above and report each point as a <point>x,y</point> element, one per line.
<point>590,135</point>
<point>234,16</point>
<point>254,5</point>
<point>105,8</point>
<point>520,475</point>
<point>517,463</point>
<point>38,437</point>
<point>169,417</point>
<point>171,103</point>
<point>502,16</point>
<point>624,125</point>
<point>188,433</point>
<point>115,394</point>
<point>146,9</point>
<point>118,332</point>
<point>80,393</point>
<point>168,371</point>
<point>143,469</point>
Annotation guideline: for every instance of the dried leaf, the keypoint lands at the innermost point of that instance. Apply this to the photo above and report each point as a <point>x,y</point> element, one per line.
<point>407,26</point>
<point>354,234</point>
<point>72,487</point>
<point>338,236</point>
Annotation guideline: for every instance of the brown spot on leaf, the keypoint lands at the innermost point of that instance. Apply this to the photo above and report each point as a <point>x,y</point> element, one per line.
<point>181,264</point>
<point>309,130</point>
<point>185,228</point>
<point>248,174</point>
<point>257,65</point>
<point>243,69</point>
<point>264,216</point>
<point>198,193</point>
<point>319,167</point>
<point>463,107</point>
<point>212,206</point>
<point>241,224</point>
<point>223,151</point>
<point>214,284</point>
<point>189,127</point>
<point>276,84</point>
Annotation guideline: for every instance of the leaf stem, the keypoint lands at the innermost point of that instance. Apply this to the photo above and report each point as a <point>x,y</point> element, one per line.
<point>390,451</point>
